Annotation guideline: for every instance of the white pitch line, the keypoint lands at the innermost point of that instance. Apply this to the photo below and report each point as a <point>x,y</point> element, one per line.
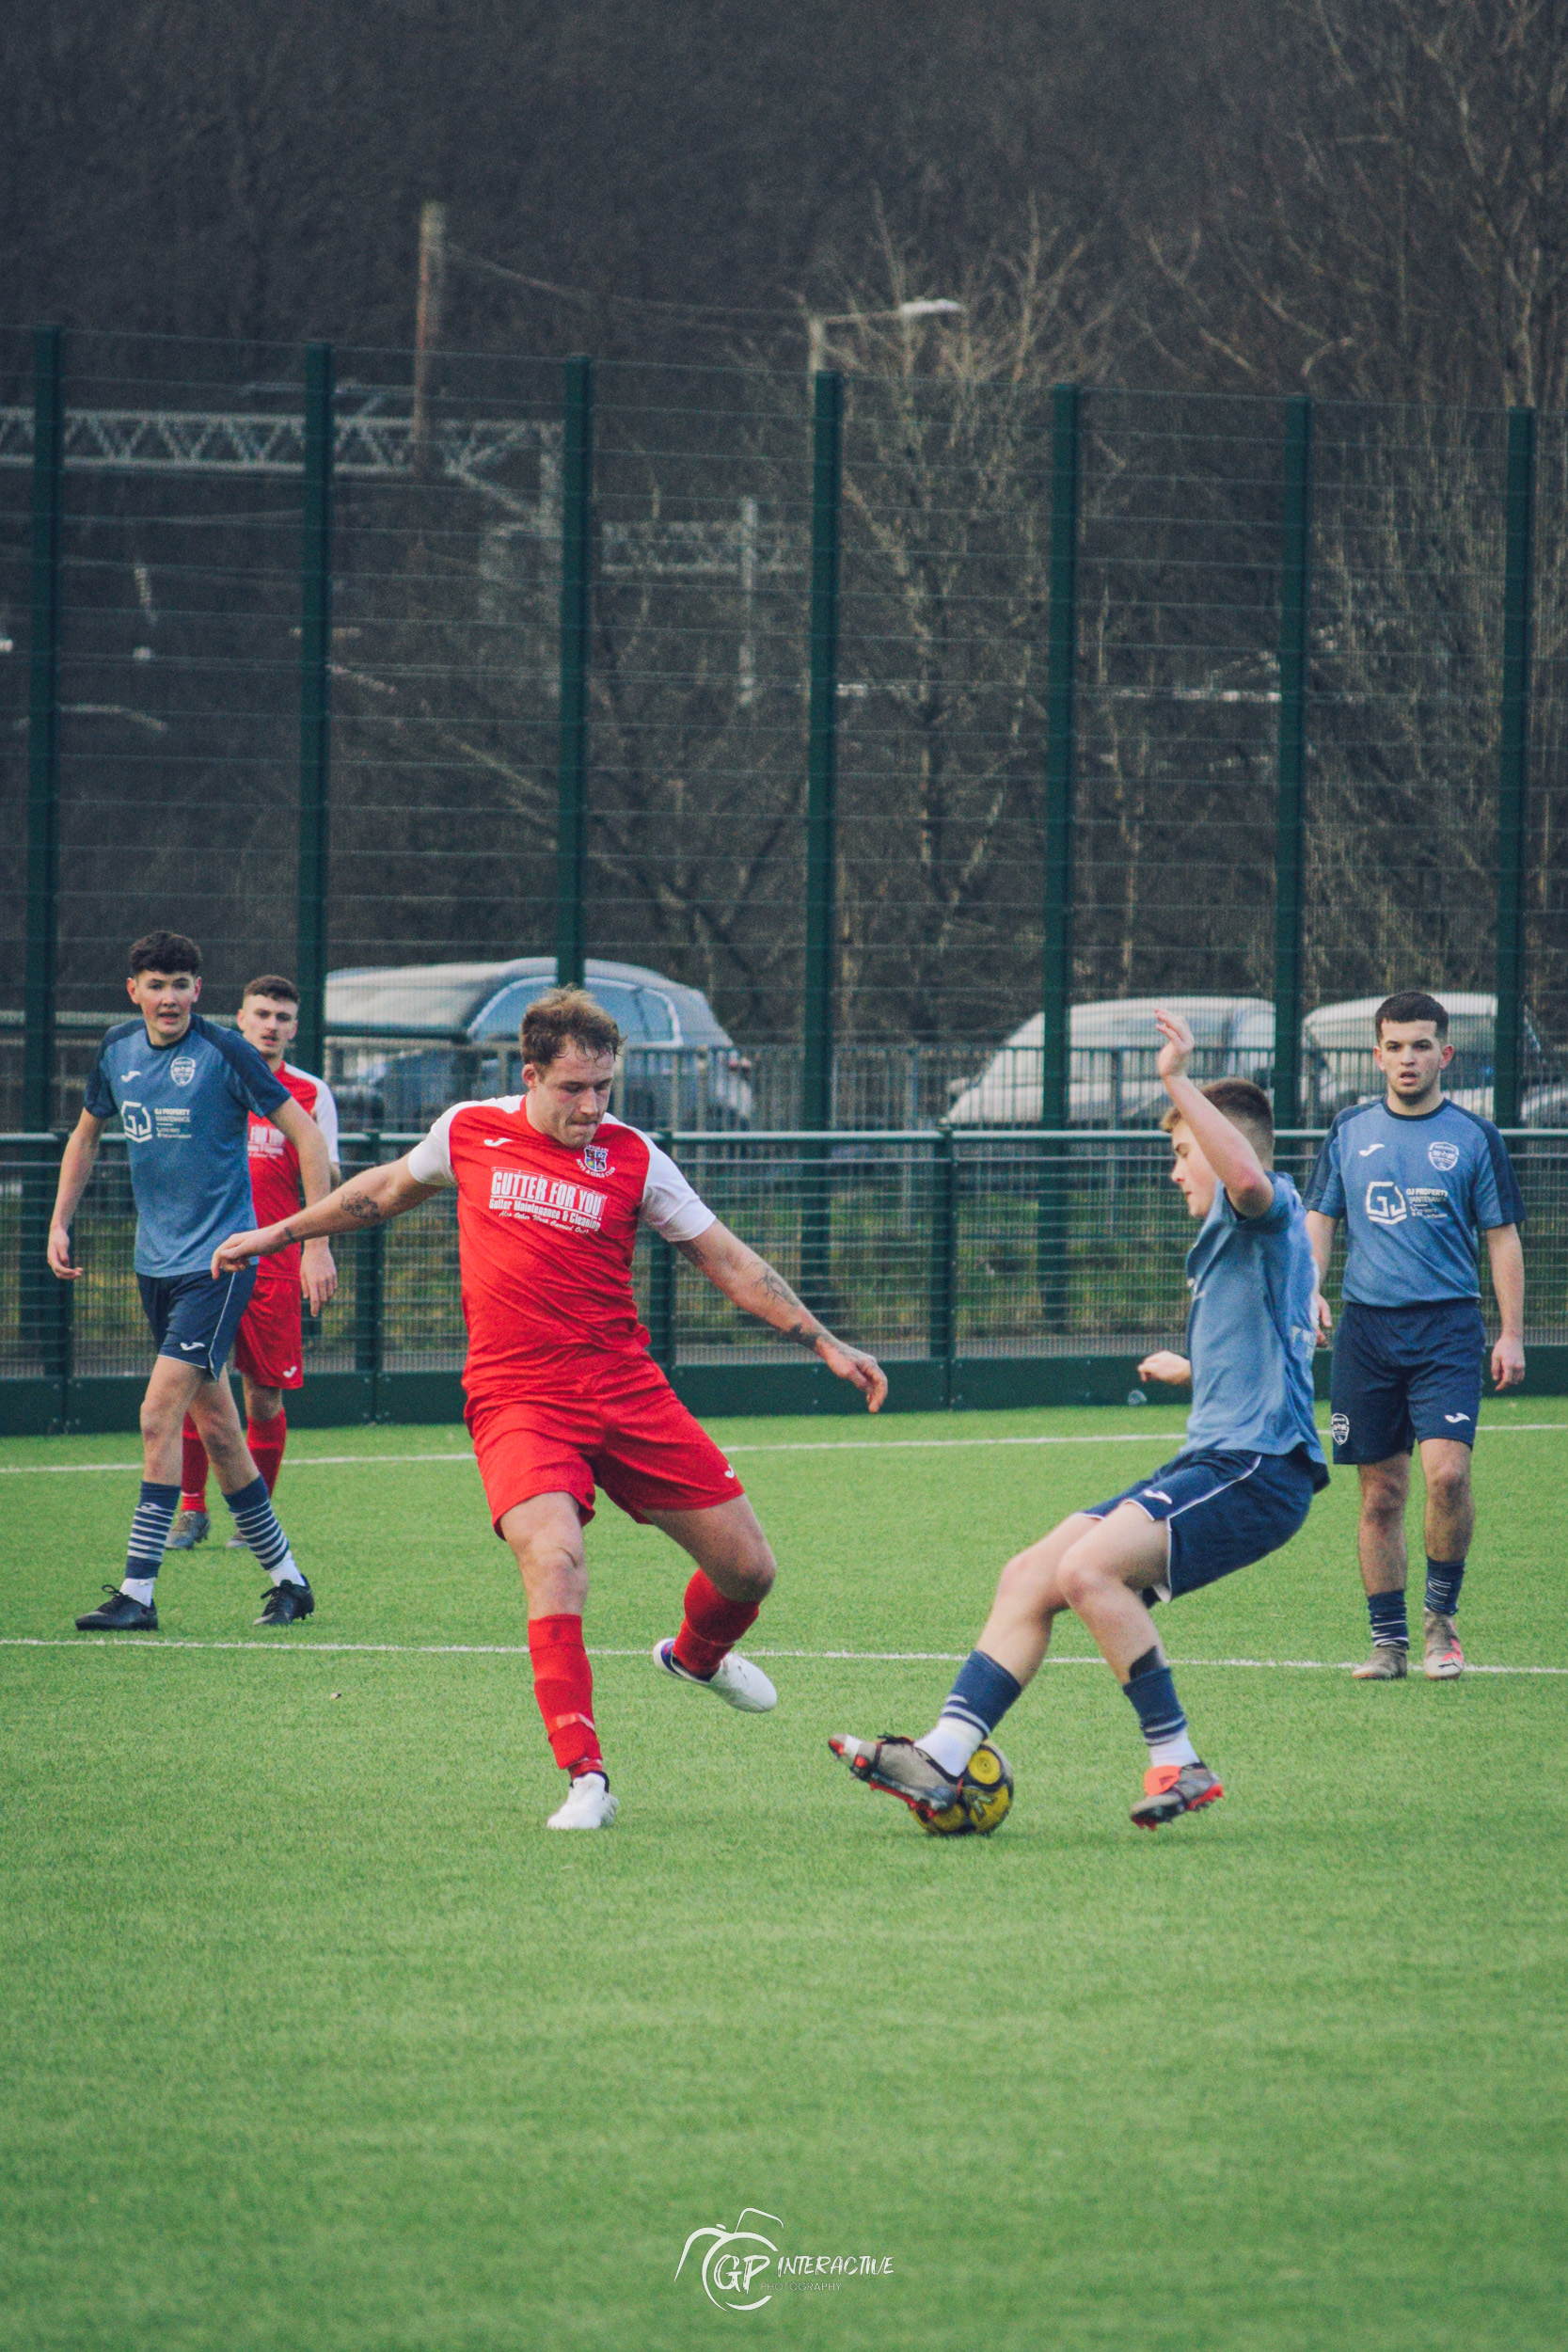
<point>504,1649</point>
<point>792,1445</point>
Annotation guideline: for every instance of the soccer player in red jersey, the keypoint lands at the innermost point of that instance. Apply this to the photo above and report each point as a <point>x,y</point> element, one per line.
<point>562,1392</point>
<point>269,1346</point>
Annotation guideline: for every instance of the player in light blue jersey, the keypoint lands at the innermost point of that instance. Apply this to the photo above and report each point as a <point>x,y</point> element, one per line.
<point>1413,1175</point>
<point>184,1091</point>
<point>1240,1487</point>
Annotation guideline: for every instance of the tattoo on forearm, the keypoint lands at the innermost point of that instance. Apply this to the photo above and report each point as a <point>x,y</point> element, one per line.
<point>360,1206</point>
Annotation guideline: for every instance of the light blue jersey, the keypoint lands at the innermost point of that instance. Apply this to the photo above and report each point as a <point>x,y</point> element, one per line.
<point>185,1109</point>
<point>1412,1192</point>
<point>1250,1334</point>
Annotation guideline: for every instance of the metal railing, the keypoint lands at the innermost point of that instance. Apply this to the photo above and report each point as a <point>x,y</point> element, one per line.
<point>919,1246</point>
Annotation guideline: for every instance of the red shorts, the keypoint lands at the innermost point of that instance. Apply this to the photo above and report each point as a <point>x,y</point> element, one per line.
<point>623,1426</point>
<point>269,1346</point>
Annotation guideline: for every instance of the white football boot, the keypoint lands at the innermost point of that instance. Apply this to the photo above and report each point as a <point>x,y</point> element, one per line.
<point>737,1682</point>
<point>589,1805</point>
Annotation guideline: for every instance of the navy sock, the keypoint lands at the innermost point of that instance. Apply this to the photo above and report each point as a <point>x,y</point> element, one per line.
<point>258,1522</point>
<point>1387,1611</point>
<point>1444,1579</point>
<point>971,1712</point>
<point>1151,1688</point>
<point>149,1524</point>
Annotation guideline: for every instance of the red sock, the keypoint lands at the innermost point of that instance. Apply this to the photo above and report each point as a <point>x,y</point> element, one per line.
<point>193,1470</point>
<point>563,1686</point>
<point>266,1440</point>
<point>711,1627</point>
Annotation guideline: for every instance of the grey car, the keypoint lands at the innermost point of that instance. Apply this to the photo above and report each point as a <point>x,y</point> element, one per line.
<point>407,1039</point>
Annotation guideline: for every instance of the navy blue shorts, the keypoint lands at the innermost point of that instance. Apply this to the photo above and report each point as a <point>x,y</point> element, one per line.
<point>194,1319</point>
<point>1222,1510</point>
<point>1401,1373</point>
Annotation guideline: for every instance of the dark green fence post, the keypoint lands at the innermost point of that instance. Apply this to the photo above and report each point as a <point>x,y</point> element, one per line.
<point>576,528</point>
<point>817,1087</point>
<point>827,494</point>
<point>1295,558</point>
<point>943,1304</point>
<point>661,1289</point>
<point>1513,764</point>
<point>315,706</point>
<point>43,734</point>
<point>370,1292</point>
<point>1061,776</point>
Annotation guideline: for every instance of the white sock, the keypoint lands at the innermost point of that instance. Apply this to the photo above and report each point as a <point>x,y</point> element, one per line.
<point>951,1745</point>
<point>286,1572</point>
<point>140,1588</point>
<point>1178,1751</point>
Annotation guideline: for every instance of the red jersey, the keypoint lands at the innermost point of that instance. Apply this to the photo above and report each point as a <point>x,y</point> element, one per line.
<point>545,1237</point>
<point>275,1184</point>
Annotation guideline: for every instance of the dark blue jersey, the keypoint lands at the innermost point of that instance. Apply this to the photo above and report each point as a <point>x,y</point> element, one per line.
<point>1412,1193</point>
<point>185,1109</point>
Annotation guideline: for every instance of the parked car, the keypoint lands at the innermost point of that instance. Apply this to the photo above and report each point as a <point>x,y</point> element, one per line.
<point>1338,1040</point>
<point>681,1068</point>
<point>1113,1046</point>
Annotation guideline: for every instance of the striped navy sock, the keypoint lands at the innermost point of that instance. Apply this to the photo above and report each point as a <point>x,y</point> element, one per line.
<point>1387,1611</point>
<point>1444,1579</point>
<point>149,1524</point>
<point>256,1523</point>
<point>971,1712</point>
<point>1151,1688</point>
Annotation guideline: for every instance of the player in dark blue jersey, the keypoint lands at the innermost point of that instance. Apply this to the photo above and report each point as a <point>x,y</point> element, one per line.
<point>1414,1175</point>
<point>1240,1487</point>
<point>184,1091</point>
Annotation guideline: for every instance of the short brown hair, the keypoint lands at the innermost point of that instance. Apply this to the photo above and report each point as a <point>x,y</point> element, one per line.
<point>567,1016</point>
<point>271,984</point>
<point>1245,1105</point>
<point>1410,1004</point>
<point>163,951</point>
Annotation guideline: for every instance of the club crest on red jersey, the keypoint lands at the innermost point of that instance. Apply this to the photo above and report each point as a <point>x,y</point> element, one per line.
<point>595,1158</point>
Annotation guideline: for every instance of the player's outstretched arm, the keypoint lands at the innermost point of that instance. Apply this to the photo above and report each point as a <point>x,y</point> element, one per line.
<point>1506,1252</point>
<point>1166,1366</point>
<point>318,1274</point>
<point>75,1167</point>
<point>372,1198</point>
<point>734,1268</point>
<point>1241,1172</point>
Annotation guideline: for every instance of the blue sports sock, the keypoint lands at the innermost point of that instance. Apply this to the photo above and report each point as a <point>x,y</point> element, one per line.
<point>1444,1579</point>
<point>149,1524</point>
<point>1387,1611</point>
<point>975,1705</point>
<point>1151,1688</point>
<point>256,1523</point>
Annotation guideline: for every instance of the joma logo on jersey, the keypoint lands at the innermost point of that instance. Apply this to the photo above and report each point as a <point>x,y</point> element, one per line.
<point>513,1192</point>
<point>1386,1204</point>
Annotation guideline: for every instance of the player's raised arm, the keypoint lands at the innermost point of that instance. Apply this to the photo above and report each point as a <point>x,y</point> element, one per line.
<point>1247,1180</point>
<point>734,1268</point>
<point>76,1165</point>
<point>372,1198</point>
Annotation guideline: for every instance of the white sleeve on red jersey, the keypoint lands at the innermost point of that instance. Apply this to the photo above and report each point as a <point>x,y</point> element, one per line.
<point>430,1161</point>
<point>668,1204</point>
<point>324,1110</point>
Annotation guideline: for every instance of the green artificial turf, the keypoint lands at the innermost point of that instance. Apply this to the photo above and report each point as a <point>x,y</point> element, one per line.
<point>312,2037</point>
